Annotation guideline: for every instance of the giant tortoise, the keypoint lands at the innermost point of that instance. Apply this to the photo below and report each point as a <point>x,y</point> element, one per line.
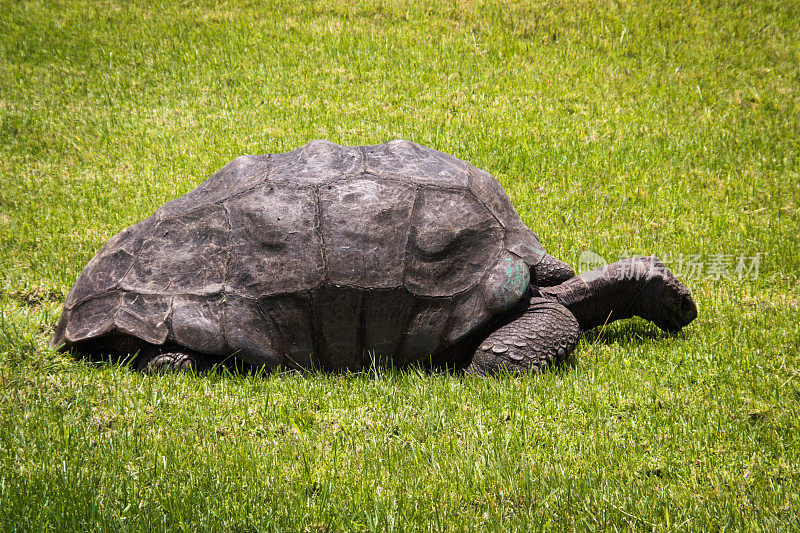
<point>337,257</point>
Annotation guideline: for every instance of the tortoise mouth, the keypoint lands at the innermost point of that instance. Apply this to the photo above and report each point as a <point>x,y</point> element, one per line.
<point>679,308</point>
<point>685,310</point>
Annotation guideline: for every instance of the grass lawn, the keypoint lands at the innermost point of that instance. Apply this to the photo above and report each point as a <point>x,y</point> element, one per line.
<point>616,127</point>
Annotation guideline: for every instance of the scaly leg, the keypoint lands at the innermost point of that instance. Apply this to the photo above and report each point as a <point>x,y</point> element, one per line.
<point>550,271</point>
<point>537,333</point>
<point>172,361</point>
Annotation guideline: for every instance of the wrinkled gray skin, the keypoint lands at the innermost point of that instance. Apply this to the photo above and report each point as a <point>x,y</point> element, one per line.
<point>332,257</point>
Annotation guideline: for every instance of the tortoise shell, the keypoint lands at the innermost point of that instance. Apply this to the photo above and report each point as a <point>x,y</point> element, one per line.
<point>325,256</point>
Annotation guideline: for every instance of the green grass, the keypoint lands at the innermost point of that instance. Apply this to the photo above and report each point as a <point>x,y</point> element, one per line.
<point>616,127</point>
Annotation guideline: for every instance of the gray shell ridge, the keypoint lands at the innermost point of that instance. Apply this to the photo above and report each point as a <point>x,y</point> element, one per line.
<point>325,256</point>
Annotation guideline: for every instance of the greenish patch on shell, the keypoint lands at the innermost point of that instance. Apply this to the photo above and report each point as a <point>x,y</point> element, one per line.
<point>517,278</point>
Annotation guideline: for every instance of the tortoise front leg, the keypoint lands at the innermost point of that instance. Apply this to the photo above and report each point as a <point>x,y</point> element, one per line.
<point>537,333</point>
<point>551,271</point>
<point>174,360</point>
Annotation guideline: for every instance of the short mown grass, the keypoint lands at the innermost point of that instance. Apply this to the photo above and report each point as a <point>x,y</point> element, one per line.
<point>616,127</point>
